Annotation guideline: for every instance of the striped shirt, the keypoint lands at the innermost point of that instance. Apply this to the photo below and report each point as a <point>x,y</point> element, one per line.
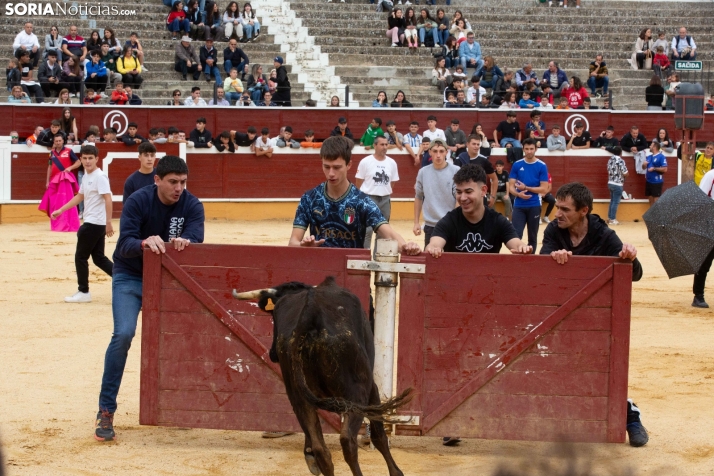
<point>74,45</point>
<point>413,142</point>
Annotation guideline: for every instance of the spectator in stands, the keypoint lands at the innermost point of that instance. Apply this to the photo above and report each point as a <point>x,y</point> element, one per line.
<point>442,26</point>
<point>233,87</point>
<point>63,97</point>
<point>74,45</point>
<point>656,167</point>
<point>374,129</point>
<point>427,25</point>
<point>214,21</point>
<point>607,140</point>
<point>68,125</point>
<point>470,54</point>
<point>264,145</point>
<point>477,130</point>
<point>94,42</point>
<point>400,100</point>
<point>223,143</point>
<point>598,76</point>
<point>633,141</point>
<point>282,93</point>
<point>450,51</point>
<point>234,57</point>
<point>132,137</point>
<point>490,73</point>
<point>257,83</point>
<point>245,101</point>
<point>200,136</point>
<point>334,101</point>
<point>555,78</point>
<point>555,141</point>
<point>475,92</point>
<point>654,94</point>
<point>683,46</point>
<point>245,139</point>
<point>525,76</point>
<point>32,140</point>
<point>177,23</point>
<point>29,85</point>
<point>96,72</point>
<point>665,143</point>
<point>286,140</point>
<point>232,24</point>
<point>341,129</point>
<point>670,90</point>
<point>456,29</point>
<point>661,41</point>
<point>109,60</point>
<point>510,132</point>
<point>72,76</point>
<point>195,99</point>
<point>250,23</point>
<point>580,138</point>
<point>563,103</point>
<point>27,41</point>
<point>208,56</point>
<point>91,97</point>
<point>132,99</point>
<point>13,74</point>
<point>455,139</point>
<point>526,102</point>
<point>433,132</point>
<point>137,49</point>
<point>544,103</point>
<point>661,64</point>
<point>509,101</point>
<point>587,104</point>
<point>272,81</point>
<point>536,125</point>
<point>616,173</point>
<point>186,60</point>
<point>381,100</point>
<point>220,98</point>
<point>396,26</point>
<point>267,100</point>
<point>176,99</point>
<point>194,15</point>
<point>118,96</point>
<point>114,45</point>
<point>395,140</point>
<point>532,135</point>
<point>53,42</point>
<point>643,49</point>
<point>18,96</point>
<point>130,69</point>
<point>411,32</point>
<point>575,93</point>
<point>47,137</point>
<point>49,74</point>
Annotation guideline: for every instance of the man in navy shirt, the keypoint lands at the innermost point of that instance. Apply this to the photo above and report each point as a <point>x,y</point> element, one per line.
<point>656,166</point>
<point>338,213</point>
<point>145,175</point>
<point>528,179</point>
<point>152,216</point>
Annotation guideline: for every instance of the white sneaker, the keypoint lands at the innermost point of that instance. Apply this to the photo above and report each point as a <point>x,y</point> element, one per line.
<point>407,2</point>
<point>394,44</point>
<point>550,4</point>
<point>613,222</point>
<point>79,297</point>
<point>625,196</point>
<point>400,2</point>
<point>102,95</point>
<point>545,220</point>
<point>144,69</point>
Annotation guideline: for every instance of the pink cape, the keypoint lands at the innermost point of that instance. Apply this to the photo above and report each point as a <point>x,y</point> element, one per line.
<point>62,189</point>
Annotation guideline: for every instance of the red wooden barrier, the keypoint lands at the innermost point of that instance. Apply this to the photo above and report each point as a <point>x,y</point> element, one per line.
<point>516,347</point>
<point>204,361</point>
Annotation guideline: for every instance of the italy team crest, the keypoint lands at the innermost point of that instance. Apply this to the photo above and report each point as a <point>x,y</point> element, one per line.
<point>349,215</point>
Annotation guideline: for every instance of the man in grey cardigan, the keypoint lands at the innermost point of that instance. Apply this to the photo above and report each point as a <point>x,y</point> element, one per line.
<point>186,60</point>
<point>435,194</point>
<point>555,141</point>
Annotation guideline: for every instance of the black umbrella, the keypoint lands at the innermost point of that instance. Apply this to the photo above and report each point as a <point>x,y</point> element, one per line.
<point>681,228</point>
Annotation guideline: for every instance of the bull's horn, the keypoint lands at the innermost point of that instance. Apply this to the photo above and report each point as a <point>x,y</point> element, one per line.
<point>248,295</point>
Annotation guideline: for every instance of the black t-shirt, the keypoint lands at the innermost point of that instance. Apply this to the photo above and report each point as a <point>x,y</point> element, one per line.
<point>136,181</point>
<point>242,140</point>
<point>502,181</point>
<point>486,236</point>
<point>582,140</point>
<point>509,129</point>
<point>464,159</point>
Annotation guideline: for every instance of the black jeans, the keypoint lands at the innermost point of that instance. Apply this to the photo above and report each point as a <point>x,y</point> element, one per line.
<point>97,83</point>
<point>530,217</point>
<point>90,242</point>
<point>700,279</point>
<point>182,67</point>
<point>550,200</point>
<point>132,80</point>
<point>428,230</point>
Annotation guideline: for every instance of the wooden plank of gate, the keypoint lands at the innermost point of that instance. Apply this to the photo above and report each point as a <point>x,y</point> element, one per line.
<point>150,333</point>
<point>619,352</point>
<point>503,360</point>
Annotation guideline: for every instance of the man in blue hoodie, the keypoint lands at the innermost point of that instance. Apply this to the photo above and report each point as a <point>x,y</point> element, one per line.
<point>556,78</point>
<point>152,216</point>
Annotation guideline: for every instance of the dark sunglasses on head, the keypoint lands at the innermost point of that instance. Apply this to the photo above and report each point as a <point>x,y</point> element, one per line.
<point>176,95</point>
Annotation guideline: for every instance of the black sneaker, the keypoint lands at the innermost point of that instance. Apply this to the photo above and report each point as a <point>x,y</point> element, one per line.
<point>104,428</point>
<point>257,34</point>
<point>700,302</point>
<point>637,434</point>
<point>183,78</point>
<point>451,441</point>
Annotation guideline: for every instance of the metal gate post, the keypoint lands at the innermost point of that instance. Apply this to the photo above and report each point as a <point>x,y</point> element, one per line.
<point>385,308</point>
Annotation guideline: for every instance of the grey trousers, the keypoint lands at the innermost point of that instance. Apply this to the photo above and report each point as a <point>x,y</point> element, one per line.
<point>385,206</point>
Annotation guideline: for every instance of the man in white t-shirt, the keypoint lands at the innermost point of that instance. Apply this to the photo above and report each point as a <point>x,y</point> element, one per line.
<point>432,132</point>
<point>375,175</point>
<point>97,197</point>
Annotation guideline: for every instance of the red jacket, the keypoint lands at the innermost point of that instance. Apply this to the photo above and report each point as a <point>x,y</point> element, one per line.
<point>174,15</point>
<point>119,97</point>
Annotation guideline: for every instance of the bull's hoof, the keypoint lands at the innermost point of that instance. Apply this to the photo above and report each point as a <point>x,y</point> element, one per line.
<point>312,465</point>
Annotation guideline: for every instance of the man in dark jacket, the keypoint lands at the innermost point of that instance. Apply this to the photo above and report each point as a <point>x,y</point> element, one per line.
<point>282,93</point>
<point>47,137</point>
<point>49,74</point>
<point>131,137</point>
<point>607,140</point>
<point>209,61</point>
<point>234,57</point>
<point>556,78</point>
<point>633,141</point>
<point>576,231</point>
<point>341,129</point>
<point>200,136</point>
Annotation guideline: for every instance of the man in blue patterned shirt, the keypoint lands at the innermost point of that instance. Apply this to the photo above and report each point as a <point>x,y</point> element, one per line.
<point>338,213</point>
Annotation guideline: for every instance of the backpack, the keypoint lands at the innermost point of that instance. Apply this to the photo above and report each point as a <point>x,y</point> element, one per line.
<point>385,6</point>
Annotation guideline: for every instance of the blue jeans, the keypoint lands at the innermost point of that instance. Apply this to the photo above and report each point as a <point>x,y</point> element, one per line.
<point>178,25</point>
<point>488,84</point>
<point>595,83</point>
<point>527,216</point>
<point>257,93</point>
<point>615,197</point>
<point>249,29</point>
<point>433,32</point>
<point>126,304</point>
<point>452,63</point>
<point>212,71</point>
<point>228,66</point>
<point>465,64</point>
<point>443,36</point>
<point>512,141</point>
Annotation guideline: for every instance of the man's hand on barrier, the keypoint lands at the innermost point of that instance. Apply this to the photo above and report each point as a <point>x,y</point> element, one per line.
<point>434,251</point>
<point>155,244</point>
<point>522,249</point>
<point>180,243</point>
<point>561,256</point>
<point>629,252</point>
<point>311,241</point>
<point>410,248</point>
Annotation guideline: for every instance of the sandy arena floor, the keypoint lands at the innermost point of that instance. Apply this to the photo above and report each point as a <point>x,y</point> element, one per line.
<point>52,353</point>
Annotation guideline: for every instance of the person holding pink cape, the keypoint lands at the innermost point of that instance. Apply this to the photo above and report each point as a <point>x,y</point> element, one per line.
<point>61,186</point>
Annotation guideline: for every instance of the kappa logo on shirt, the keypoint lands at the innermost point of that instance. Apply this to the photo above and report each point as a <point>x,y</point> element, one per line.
<point>474,243</point>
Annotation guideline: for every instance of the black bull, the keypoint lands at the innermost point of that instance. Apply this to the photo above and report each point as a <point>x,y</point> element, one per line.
<point>325,348</point>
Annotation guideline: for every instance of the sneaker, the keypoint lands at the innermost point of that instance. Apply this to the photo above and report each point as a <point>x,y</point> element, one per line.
<point>545,220</point>
<point>613,222</point>
<point>597,95</point>
<point>451,441</point>
<point>102,95</point>
<point>423,45</point>
<point>79,297</point>
<point>637,434</point>
<point>329,1</point>
<point>144,69</point>
<point>257,34</point>
<point>407,2</point>
<point>625,196</point>
<point>366,439</point>
<point>276,434</point>
<point>550,4</point>
<point>394,45</point>
<point>183,78</point>
<point>400,2</point>
<point>700,302</point>
<point>104,427</point>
